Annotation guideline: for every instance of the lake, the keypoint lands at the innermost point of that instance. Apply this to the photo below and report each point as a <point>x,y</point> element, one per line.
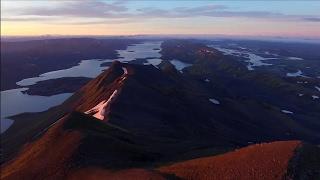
<point>15,102</point>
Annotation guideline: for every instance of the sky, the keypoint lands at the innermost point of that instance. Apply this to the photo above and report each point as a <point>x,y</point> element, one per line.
<point>127,17</point>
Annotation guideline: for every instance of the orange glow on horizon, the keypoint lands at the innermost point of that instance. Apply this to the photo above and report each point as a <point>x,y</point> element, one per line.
<point>225,26</point>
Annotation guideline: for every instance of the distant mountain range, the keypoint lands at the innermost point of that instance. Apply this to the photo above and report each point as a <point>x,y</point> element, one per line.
<point>175,36</point>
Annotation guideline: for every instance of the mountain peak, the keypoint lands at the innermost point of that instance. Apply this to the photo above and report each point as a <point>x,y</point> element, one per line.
<point>97,96</point>
<point>167,67</point>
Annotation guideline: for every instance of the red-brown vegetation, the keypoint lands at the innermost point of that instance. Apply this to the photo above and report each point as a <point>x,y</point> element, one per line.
<point>129,174</point>
<point>44,158</point>
<point>261,161</point>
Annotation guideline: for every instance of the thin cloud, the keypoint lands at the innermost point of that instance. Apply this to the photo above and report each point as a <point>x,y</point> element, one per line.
<point>98,12</point>
<point>79,9</point>
<point>312,19</point>
<point>212,11</point>
<point>112,21</point>
<point>20,19</point>
<point>26,19</point>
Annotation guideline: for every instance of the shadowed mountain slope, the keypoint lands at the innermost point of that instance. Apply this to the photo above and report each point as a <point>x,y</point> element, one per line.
<point>134,120</point>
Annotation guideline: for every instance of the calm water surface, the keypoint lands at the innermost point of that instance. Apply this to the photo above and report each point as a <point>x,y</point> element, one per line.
<point>14,102</point>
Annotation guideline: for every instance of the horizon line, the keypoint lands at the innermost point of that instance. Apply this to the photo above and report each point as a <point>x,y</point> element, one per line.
<point>176,34</point>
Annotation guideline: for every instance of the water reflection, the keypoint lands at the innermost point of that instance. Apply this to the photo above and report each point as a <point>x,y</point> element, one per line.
<point>15,102</point>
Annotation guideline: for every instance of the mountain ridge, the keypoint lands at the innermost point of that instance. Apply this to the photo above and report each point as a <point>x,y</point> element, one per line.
<point>141,118</point>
